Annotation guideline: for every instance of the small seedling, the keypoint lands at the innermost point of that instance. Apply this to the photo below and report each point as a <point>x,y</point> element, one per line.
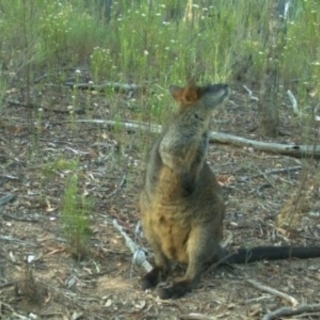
<point>75,215</point>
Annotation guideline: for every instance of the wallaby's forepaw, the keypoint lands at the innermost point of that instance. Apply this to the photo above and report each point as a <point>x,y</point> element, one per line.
<point>151,279</point>
<point>177,290</point>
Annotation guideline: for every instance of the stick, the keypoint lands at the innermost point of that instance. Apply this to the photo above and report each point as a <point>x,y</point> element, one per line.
<point>275,292</point>
<point>7,198</point>
<point>122,183</point>
<point>195,316</point>
<point>294,102</point>
<point>294,168</point>
<point>251,96</point>
<point>136,250</point>
<point>288,311</point>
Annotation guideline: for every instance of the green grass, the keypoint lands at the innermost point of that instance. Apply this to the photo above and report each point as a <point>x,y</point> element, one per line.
<point>76,207</point>
<point>143,44</point>
<point>76,212</point>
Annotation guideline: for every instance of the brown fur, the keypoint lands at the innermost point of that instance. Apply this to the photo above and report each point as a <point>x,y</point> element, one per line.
<point>182,206</point>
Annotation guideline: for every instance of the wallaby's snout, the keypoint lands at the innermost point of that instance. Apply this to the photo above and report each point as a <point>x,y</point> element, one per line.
<point>218,92</point>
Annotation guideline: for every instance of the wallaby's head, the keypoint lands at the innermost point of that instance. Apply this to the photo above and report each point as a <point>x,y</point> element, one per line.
<point>208,96</point>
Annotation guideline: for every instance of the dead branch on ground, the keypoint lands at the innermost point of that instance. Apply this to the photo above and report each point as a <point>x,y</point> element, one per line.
<point>7,198</point>
<point>196,316</point>
<point>290,311</point>
<point>135,249</point>
<point>275,292</point>
<point>214,136</point>
<point>280,170</point>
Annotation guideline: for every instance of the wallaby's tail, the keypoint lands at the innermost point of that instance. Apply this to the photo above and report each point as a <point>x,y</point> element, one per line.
<point>242,256</point>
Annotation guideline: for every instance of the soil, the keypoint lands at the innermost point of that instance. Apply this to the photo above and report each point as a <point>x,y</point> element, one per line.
<point>40,278</point>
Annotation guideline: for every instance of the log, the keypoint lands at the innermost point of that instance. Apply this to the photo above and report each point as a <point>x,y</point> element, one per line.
<point>294,150</point>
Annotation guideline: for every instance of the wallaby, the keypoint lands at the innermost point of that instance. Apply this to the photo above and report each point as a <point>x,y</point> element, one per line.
<point>182,205</point>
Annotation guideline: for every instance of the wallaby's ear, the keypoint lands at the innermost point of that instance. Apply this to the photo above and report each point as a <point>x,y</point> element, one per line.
<point>186,96</point>
<point>176,92</point>
<point>191,93</point>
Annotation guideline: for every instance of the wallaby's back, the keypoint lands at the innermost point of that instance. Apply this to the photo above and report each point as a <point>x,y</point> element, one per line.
<point>182,204</point>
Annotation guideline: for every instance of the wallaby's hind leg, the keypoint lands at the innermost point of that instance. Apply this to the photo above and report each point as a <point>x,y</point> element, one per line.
<point>162,268</point>
<point>201,250</point>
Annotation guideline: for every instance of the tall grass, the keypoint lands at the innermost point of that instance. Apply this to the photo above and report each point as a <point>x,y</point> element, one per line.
<point>144,42</point>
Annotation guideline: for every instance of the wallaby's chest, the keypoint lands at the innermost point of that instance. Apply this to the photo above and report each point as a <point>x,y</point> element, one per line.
<point>171,226</point>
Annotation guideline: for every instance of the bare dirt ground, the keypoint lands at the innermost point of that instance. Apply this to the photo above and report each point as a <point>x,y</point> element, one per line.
<point>105,285</point>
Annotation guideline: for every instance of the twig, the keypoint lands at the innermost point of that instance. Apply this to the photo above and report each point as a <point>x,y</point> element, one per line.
<point>288,311</point>
<point>195,316</point>
<point>7,284</point>
<point>77,152</point>
<point>7,238</point>
<point>295,168</point>
<point>8,216</point>
<point>275,292</point>
<point>122,183</point>
<point>266,178</point>
<point>12,311</point>
<point>132,246</point>
<point>6,176</point>
<point>251,96</point>
<point>294,102</point>
<point>264,186</point>
<point>7,198</point>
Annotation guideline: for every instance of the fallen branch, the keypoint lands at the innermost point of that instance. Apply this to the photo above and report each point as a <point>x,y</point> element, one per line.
<point>8,216</point>
<point>8,238</point>
<point>251,96</point>
<point>139,257</point>
<point>291,150</point>
<point>196,316</point>
<point>7,198</point>
<point>294,102</point>
<point>214,136</point>
<point>288,311</point>
<point>280,170</point>
<point>121,185</point>
<point>7,284</point>
<point>275,292</point>
<point>12,313</point>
